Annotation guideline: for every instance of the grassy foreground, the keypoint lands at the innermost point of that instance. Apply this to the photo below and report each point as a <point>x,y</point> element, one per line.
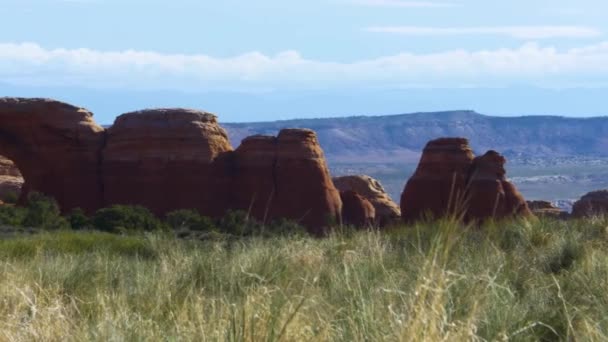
<point>520,281</point>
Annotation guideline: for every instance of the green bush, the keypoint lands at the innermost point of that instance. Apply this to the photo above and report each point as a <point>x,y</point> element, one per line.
<point>43,212</point>
<point>189,219</point>
<point>286,227</point>
<point>10,198</point>
<point>238,222</point>
<point>12,216</point>
<point>118,218</point>
<point>79,220</point>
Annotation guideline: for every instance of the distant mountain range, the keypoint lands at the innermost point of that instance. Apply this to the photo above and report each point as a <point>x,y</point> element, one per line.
<point>400,138</point>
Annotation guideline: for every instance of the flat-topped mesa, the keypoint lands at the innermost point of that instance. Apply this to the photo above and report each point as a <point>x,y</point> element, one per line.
<point>56,147</point>
<point>450,181</point>
<point>437,187</point>
<point>163,159</point>
<point>285,176</point>
<point>489,194</point>
<point>386,210</point>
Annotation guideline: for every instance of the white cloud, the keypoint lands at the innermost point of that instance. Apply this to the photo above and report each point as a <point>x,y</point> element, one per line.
<point>31,64</point>
<point>519,32</point>
<point>402,3</point>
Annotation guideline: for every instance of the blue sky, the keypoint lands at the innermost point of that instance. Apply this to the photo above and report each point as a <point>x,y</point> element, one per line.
<point>272,59</point>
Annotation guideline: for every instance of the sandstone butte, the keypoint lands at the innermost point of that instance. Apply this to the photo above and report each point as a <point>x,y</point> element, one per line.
<point>591,204</point>
<point>449,180</point>
<point>165,159</point>
<point>387,211</point>
<point>357,210</point>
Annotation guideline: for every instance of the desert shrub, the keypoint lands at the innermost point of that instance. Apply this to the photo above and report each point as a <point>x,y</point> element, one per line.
<point>12,216</point>
<point>238,222</point>
<point>189,219</point>
<point>284,226</point>
<point>10,198</point>
<point>79,220</point>
<point>43,212</point>
<point>119,218</point>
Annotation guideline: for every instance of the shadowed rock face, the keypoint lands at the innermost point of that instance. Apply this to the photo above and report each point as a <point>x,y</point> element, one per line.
<point>11,180</point>
<point>438,184</point>
<point>489,193</point>
<point>386,210</point>
<point>285,176</point>
<point>450,181</point>
<point>56,147</point>
<point>591,204</point>
<point>356,210</point>
<point>166,159</point>
<point>162,159</point>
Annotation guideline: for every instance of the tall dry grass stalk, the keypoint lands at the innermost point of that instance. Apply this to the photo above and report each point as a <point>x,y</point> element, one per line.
<point>524,281</point>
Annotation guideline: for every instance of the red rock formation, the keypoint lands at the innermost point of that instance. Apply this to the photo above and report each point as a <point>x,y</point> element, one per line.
<point>437,187</point>
<point>356,210</point>
<point>305,189</point>
<point>166,159</point>
<point>56,147</point>
<point>591,204</point>
<point>449,181</point>
<point>162,159</point>
<point>286,176</point>
<point>489,194</point>
<point>11,180</point>
<point>386,210</point>
<point>255,187</point>
<point>546,209</point>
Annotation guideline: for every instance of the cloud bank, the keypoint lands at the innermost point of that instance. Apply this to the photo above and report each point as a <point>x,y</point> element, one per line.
<point>32,64</point>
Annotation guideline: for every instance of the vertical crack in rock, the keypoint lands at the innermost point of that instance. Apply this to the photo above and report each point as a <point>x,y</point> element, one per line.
<point>100,159</point>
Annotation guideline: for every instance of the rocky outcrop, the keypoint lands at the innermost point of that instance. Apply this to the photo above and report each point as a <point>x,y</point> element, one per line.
<point>285,176</point>
<point>450,181</point>
<point>546,209</point>
<point>56,147</point>
<point>166,159</point>
<point>489,194</point>
<point>8,168</point>
<point>11,180</point>
<point>356,210</point>
<point>437,187</point>
<point>386,210</point>
<point>162,159</point>
<point>591,204</point>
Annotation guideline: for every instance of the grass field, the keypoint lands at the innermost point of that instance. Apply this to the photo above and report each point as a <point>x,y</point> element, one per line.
<point>521,281</point>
